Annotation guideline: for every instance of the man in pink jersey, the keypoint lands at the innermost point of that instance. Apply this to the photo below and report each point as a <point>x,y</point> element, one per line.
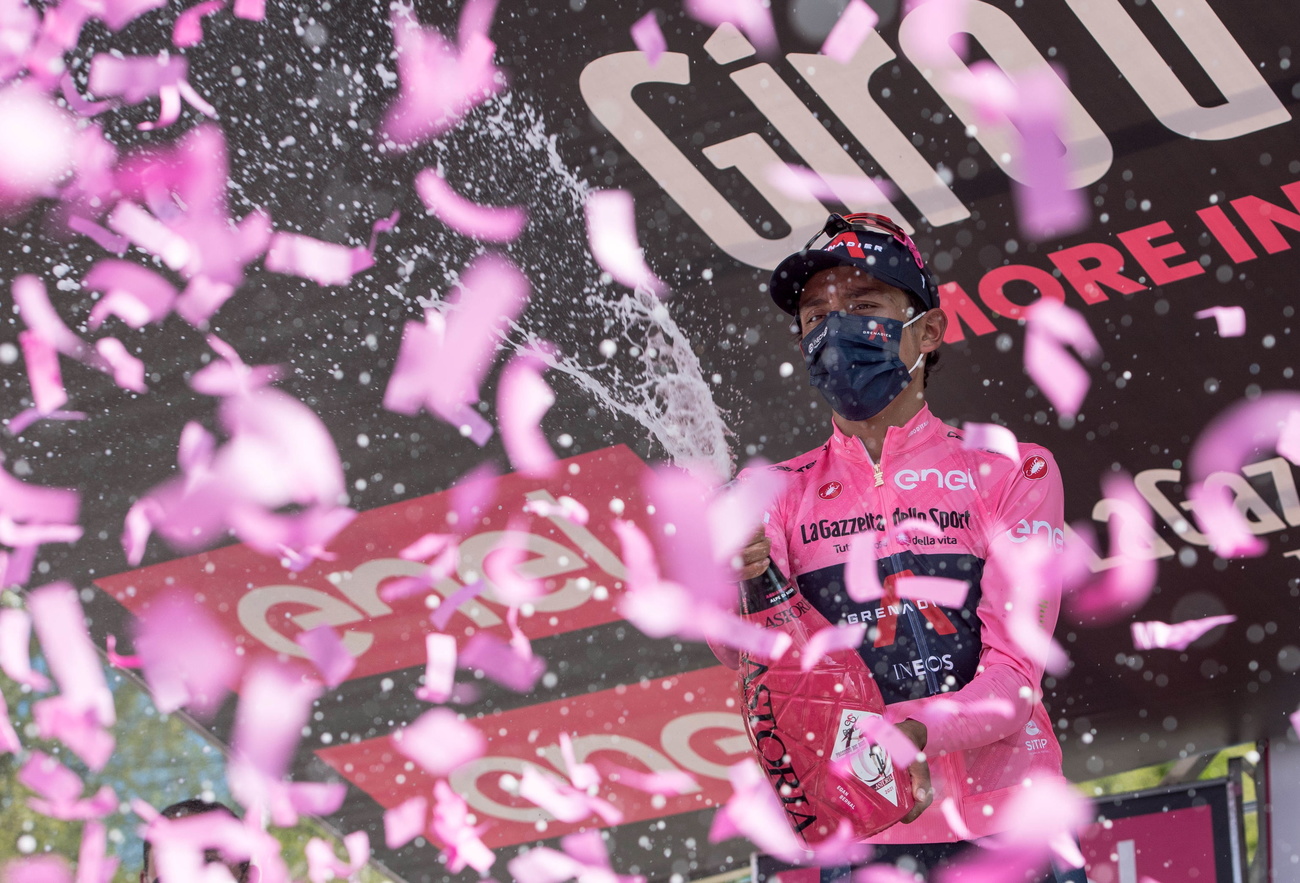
<point>963,682</point>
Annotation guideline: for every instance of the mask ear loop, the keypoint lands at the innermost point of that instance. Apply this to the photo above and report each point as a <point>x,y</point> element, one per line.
<point>920,358</point>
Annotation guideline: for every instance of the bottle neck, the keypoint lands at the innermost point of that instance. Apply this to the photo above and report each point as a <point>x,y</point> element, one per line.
<point>765,591</point>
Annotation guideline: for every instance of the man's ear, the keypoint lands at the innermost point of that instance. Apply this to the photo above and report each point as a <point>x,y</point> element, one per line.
<point>934,324</point>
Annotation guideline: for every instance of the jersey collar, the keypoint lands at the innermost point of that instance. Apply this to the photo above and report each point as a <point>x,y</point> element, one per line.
<point>898,439</point>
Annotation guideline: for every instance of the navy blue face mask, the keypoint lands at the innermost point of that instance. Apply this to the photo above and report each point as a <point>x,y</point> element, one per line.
<point>853,362</point>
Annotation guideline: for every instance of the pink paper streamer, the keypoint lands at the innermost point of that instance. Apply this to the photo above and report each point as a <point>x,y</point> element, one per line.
<point>188,30</point>
<point>565,507</point>
<point>1046,205</point>
<point>93,865</point>
<point>117,660</point>
<point>583,775</point>
<point>324,263</point>
<point>649,38</point>
<point>253,10</point>
<point>947,31</point>
<point>611,232</point>
<point>275,702</point>
<point>136,295</point>
<point>991,437</point>
<point>475,19</point>
<point>952,815</point>
<point>462,845</point>
<point>523,398</point>
<point>754,812</point>
<point>323,865</point>
<point>735,512</point>
<point>105,239</point>
<point>503,663</point>
<point>439,741</point>
<point>562,800</point>
<point>439,669</point>
<point>404,822</point>
<point>40,316</point>
<point>935,589</point>
<point>854,25</point>
<point>830,639</point>
<point>1226,444</point>
<point>23,419</point>
<point>20,25</point>
<point>229,376</point>
<point>1295,721</point>
<point>150,234</point>
<point>1176,636</point>
<point>684,535</point>
<point>47,156</point>
<point>799,182</point>
<point>77,727</point>
<point>584,858</point>
<point>61,627</point>
<point>668,783</point>
<point>325,649</point>
<point>9,743</point>
<point>1231,321</point>
<point>447,609</point>
<point>486,223</point>
<point>438,81</point>
<point>38,869</point>
<point>1051,327</point>
<point>59,791</point>
<point>127,370</point>
<point>882,873</point>
<point>138,78</point>
<point>42,362</point>
<point>1288,442</point>
<point>752,17</point>
<point>19,535</point>
<point>442,361</point>
<point>861,573</point>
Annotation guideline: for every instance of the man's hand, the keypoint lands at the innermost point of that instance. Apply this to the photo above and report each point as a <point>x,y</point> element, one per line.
<point>919,770</point>
<point>754,557</point>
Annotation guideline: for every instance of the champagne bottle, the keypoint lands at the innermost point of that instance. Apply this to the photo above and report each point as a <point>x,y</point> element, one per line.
<point>804,725</point>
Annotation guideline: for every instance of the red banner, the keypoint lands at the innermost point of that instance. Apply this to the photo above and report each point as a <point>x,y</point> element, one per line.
<point>264,605</point>
<point>689,722</point>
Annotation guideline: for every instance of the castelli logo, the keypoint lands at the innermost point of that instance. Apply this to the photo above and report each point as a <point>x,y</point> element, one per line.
<point>830,490</point>
<point>1034,467</point>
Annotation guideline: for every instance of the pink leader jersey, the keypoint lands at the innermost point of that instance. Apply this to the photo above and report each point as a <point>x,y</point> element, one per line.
<point>960,671</point>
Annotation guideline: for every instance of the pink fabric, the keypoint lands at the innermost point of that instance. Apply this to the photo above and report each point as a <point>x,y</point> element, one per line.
<point>981,731</point>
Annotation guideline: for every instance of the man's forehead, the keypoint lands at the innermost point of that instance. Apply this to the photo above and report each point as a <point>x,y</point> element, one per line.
<point>844,280</point>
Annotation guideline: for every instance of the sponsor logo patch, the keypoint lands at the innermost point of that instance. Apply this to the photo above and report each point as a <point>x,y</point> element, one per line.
<point>830,490</point>
<point>1034,467</point>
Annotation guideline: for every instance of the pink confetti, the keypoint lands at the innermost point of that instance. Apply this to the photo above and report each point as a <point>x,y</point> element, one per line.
<point>39,138</point>
<point>447,609</point>
<point>439,741</point>
<point>854,25</point>
<point>799,182</point>
<point>1226,444</point>
<point>991,437</point>
<point>325,649</point>
<point>485,223</point>
<point>76,727</point>
<point>829,640</point>
<point>323,865</point>
<point>105,239</point>
<point>503,663</point>
<point>583,775</point>
<point>952,815</point>
<point>188,30</point>
<point>752,17</point>
<point>117,660</point>
<point>9,743</point>
<point>684,536</point>
<point>935,589</point>
<point>562,800</point>
<point>404,822</point>
<point>1046,204</point>
<point>228,375</point>
<point>136,295</point>
<point>943,31</point>
<point>93,866</point>
<point>1231,321</point>
<point>442,361</point>
<point>138,78</point>
<point>461,843</point>
<point>668,782</point>
<point>475,19</point>
<point>1295,721</point>
<point>19,24</point>
<point>754,812</point>
<point>61,626</point>
<point>253,10</point>
<point>611,232</point>
<point>439,670</point>
<point>565,507</point>
<point>127,370</point>
<point>59,790</point>
<point>324,263</point>
<point>523,398</point>
<point>23,419</point>
<point>861,573</point>
<point>42,361</point>
<point>40,316</point>
<point>1157,635</point>
<point>37,869</point>
<point>438,82</point>
<point>649,38</point>
<point>584,858</point>
<point>882,873</point>
<point>13,534</point>
<point>275,702</point>
<point>1051,327</point>
<point>736,511</point>
<point>150,234</point>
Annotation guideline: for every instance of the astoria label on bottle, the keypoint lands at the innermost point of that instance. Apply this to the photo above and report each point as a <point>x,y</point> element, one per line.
<point>806,726</point>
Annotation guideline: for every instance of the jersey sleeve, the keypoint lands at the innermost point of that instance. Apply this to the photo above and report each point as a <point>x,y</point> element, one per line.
<point>1019,604</point>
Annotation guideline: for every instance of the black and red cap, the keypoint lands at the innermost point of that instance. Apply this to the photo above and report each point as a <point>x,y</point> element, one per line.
<point>866,240</point>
